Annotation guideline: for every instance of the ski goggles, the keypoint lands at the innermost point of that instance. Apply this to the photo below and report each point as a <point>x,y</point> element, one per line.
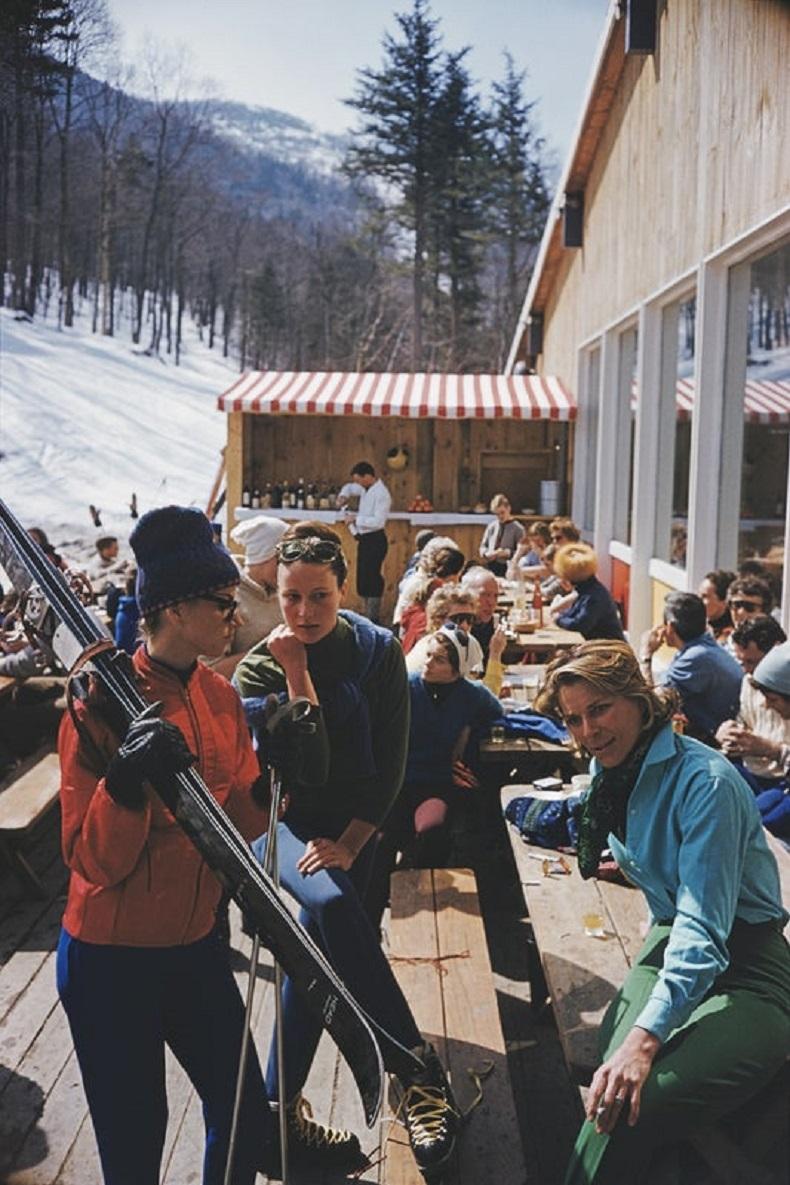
<point>310,549</point>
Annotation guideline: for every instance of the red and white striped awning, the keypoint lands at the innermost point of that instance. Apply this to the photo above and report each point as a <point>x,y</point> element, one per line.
<point>414,396</point>
<point>764,402</point>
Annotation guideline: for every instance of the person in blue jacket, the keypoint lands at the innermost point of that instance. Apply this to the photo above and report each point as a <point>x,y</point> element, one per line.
<point>593,613</point>
<point>702,1022</point>
<point>446,708</point>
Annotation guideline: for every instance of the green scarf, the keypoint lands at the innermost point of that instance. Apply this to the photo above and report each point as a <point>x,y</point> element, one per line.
<point>605,807</point>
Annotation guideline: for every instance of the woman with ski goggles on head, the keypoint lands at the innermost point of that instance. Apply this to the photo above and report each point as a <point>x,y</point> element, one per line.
<point>342,782</point>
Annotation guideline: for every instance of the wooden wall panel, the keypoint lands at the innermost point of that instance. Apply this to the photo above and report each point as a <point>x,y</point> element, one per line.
<point>694,153</point>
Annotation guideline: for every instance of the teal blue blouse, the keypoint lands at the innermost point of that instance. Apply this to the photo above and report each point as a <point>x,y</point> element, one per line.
<point>695,846</point>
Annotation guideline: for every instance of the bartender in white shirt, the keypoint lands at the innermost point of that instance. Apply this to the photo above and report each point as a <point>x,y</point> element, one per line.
<point>368,525</point>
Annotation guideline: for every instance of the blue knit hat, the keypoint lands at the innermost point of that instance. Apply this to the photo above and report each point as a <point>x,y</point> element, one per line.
<point>178,558</point>
<point>773,671</point>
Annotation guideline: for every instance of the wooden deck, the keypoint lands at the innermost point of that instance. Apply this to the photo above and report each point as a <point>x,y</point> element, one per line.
<point>46,1136</point>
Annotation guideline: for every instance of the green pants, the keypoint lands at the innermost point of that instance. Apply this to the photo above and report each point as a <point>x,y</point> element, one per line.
<point>733,1043</point>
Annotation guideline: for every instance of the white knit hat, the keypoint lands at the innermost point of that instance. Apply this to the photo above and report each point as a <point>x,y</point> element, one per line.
<point>259,537</point>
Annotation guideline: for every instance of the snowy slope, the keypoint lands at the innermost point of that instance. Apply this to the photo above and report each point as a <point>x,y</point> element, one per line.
<point>89,419</point>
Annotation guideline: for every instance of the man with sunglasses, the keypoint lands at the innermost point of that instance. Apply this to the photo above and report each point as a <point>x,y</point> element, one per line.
<point>747,596</point>
<point>368,525</point>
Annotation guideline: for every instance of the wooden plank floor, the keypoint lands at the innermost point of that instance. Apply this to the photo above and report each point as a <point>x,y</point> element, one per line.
<point>46,1137</point>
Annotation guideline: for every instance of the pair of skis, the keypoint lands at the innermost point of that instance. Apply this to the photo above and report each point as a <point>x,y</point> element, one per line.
<point>359,1039</point>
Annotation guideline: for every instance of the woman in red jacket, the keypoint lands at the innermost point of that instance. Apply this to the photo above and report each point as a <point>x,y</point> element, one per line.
<point>139,963</point>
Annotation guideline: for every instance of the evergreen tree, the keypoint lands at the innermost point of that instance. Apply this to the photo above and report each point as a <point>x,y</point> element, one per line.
<point>396,140</point>
<point>458,210</point>
<point>519,190</point>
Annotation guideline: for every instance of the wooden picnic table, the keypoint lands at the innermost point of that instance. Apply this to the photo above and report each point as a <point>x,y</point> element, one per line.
<point>7,685</point>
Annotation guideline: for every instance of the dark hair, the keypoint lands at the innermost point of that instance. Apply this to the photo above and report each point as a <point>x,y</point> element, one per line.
<point>447,561</point>
<point>422,537</point>
<point>721,580</point>
<point>450,651</point>
<point>752,586</point>
<point>685,611</point>
<point>364,469</point>
<point>315,530</point>
<point>764,631</point>
<point>105,541</point>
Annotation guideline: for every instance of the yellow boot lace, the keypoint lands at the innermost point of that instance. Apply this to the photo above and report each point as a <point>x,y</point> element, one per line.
<point>426,1109</point>
<point>314,1135</point>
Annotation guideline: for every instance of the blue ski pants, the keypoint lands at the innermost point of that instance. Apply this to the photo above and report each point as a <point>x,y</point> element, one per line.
<point>334,915</point>
<point>124,1004</point>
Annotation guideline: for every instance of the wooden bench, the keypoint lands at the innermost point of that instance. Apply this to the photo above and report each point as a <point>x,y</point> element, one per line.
<point>438,952</point>
<point>581,974</point>
<point>23,802</point>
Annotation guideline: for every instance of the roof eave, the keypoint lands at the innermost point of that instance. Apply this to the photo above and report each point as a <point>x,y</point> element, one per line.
<point>601,88</point>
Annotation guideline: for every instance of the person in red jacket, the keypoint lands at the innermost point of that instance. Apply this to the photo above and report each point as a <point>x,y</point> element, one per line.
<point>139,962</point>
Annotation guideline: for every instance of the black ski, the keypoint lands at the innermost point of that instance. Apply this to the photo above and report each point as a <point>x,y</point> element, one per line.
<point>220,844</point>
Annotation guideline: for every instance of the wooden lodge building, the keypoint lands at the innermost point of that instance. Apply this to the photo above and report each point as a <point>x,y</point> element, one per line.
<point>661,296</point>
<point>458,440</point>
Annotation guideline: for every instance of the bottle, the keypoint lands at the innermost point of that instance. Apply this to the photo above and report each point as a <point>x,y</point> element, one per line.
<point>256,499</point>
<point>310,499</point>
<point>300,495</point>
<point>245,495</point>
<point>332,498</point>
<point>266,499</point>
<point>286,495</point>
<point>323,497</point>
<point>277,496</point>
<point>537,605</point>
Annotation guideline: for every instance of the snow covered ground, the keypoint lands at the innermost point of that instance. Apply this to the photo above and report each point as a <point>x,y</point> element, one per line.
<point>90,419</point>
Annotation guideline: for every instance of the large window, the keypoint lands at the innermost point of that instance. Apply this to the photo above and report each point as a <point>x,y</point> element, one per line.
<point>587,436</point>
<point>766,412</point>
<point>627,396</point>
<point>678,329</point>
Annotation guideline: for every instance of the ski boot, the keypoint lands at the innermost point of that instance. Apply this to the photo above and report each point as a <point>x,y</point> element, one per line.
<point>430,1115</point>
<point>313,1144</point>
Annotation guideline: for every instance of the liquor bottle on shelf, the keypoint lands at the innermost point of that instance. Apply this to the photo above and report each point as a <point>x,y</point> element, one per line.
<point>323,496</point>
<point>301,497</point>
<point>246,496</point>
<point>266,496</point>
<point>256,499</point>
<point>286,495</point>
<point>332,498</point>
<point>310,498</point>
<point>277,496</point>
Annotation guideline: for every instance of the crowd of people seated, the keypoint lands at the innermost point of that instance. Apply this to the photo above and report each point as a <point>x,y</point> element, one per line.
<point>393,757</point>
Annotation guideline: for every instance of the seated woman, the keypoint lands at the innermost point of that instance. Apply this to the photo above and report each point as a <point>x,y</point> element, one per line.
<point>342,781</point>
<point>713,593</point>
<point>445,707</point>
<point>702,1022</point>
<point>593,613</point>
<point>449,602</point>
<point>528,556</point>
<point>440,562</point>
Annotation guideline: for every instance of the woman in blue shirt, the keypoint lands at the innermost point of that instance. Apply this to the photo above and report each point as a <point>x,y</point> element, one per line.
<point>703,1019</point>
<point>446,708</point>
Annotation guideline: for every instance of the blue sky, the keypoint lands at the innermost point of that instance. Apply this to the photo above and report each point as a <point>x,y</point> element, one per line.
<point>301,56</point>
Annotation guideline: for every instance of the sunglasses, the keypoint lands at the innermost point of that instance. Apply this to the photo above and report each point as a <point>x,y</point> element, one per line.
<point>747,606</point>
<point>462,618</point>
<point>311,549</point>
<point>227,605</point>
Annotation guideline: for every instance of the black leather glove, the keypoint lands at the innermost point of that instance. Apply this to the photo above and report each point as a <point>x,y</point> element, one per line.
<point>151,749</point>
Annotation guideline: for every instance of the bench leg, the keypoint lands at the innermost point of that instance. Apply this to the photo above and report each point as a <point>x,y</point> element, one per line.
<point>21,867</point>
<point>538,988</point>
